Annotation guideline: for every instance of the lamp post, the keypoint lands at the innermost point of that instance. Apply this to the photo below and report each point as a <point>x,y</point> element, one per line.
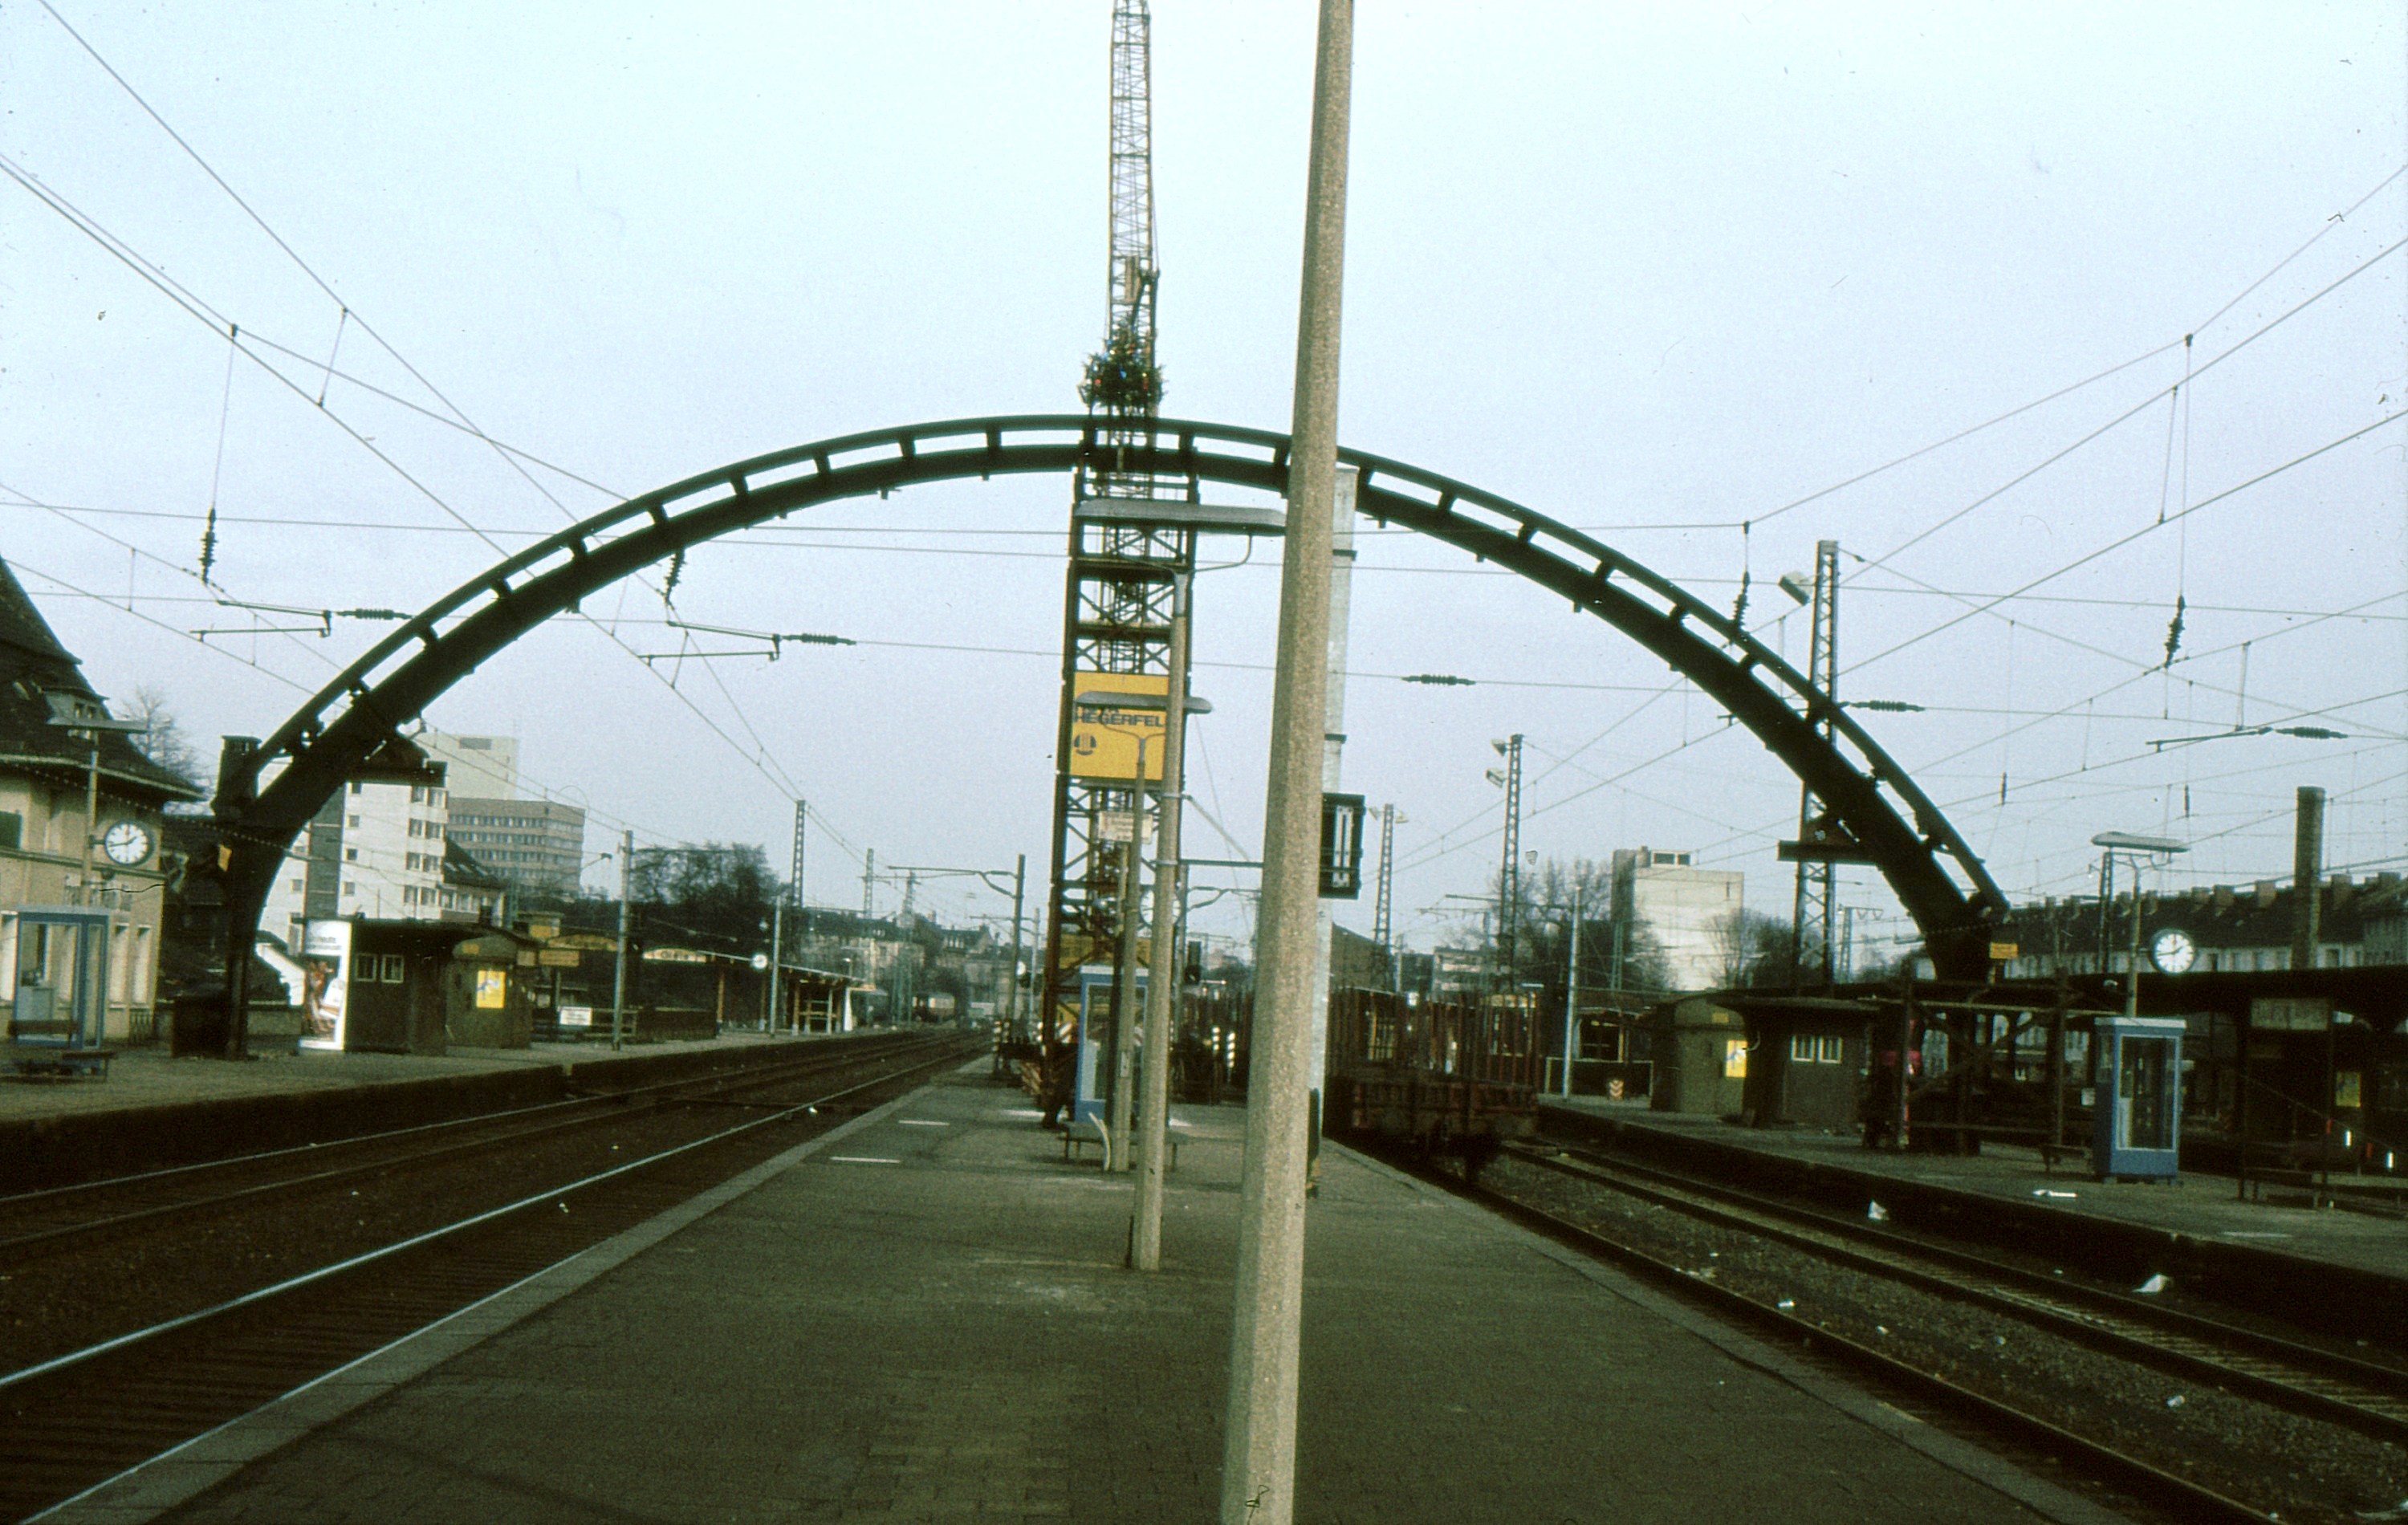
<point>2134,848</point>
<point>1174,706</point>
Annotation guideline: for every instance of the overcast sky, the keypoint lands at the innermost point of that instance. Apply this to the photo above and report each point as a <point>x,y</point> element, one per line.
<point>1662,272</point>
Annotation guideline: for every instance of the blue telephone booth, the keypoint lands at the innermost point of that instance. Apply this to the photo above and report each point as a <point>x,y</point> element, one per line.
<point>1095,1038</point>
<point>58,1007</point>
<point>2136,1132</point>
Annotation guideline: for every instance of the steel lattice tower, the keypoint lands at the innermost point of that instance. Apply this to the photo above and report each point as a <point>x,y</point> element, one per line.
<point>1382,929</point>
<point>1508,879</point>
<point>1117,602</point>
<point>1814,918</point>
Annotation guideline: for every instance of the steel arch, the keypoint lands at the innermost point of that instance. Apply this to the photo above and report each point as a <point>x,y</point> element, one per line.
<point>362,708</point>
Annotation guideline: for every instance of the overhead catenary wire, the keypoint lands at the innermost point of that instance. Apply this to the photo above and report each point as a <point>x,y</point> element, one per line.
<point>201,312</point>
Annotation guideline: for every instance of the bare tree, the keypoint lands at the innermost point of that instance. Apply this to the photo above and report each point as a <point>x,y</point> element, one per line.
<point>161,738</point>
<point>1753,948</point>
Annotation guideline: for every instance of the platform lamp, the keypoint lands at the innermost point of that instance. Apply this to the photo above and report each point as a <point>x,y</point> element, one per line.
<point>2134,848</point>
<point>80,715</point>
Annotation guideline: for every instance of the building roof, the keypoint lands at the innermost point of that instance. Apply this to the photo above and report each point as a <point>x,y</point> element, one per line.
<point>33,664</point>
<point>463,870</point>
<point>2221,916</point>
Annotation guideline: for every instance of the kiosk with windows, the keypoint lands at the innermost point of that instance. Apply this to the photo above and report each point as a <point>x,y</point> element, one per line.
<point>59,990</point>
<point>2136,1133</point>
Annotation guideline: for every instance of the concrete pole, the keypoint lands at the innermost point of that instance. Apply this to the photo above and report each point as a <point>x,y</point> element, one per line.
<point>1119,1104</point>
<point>2307,931</point>
<point>1333,747</point>
<point>1011,989</point>
<point>776,955</point>
<point>1571,987</point>
<point>1145,1240</point>
<point>619,980</point>
<point>1259,1463</point>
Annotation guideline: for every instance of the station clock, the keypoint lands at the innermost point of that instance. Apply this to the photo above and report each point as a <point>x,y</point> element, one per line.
<point>127,844</point>
<point>2172,951</point>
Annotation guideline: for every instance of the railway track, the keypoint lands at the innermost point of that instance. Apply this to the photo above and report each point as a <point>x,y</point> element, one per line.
<point>77,1419</point>
<point>61,1220</point>
<point>2299,1379</point>
<point>2304,1379</point>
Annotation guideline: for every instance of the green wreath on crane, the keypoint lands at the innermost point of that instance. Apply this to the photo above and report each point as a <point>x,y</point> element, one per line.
<point>1121,378</point>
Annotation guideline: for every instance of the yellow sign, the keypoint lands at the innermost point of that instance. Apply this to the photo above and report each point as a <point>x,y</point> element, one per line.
<point>1734,1059</point>
<point>558,958</point>
<point>1104,742</point>
<point>2345,1093</point>
<point>492,989</point>
<point>2002,952</point>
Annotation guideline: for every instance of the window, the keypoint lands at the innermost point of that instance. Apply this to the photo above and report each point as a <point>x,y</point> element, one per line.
<point>296,886</point>
<point>12,830</point>
<point>351,886</point>
<point>1801,1048</point>
<point>388,967</point>
<point>1831,1048</point>
<point>351,854</point>
<point>352,820</point>
<point>356,786</point>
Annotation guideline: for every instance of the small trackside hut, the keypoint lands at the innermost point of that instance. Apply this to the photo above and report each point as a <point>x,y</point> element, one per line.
<point>1806,1062</point>
<point>1441,1078</point>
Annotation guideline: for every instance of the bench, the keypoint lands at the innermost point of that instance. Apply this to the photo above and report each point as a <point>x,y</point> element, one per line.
<point>58,1059</point>
<point>1075,1145</point>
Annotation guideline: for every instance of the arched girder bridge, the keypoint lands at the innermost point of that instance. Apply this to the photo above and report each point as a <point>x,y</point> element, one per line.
<point>362,710</point>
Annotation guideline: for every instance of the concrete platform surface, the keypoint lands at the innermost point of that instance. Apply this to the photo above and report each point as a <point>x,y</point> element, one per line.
<point>2203,1206</point>
<point>145,1077</point>
<point>924,1316</point>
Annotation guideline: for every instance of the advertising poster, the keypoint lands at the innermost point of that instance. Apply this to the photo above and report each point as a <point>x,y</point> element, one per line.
<point>492,989</point>
<point>1104,742</point>
<point>326,983</point>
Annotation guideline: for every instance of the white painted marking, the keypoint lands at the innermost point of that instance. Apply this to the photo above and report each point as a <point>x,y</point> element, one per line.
<point>1019,1112</point>
<point>860,1159</point>
<point>2244,1233</point>
<point>923,1122</point>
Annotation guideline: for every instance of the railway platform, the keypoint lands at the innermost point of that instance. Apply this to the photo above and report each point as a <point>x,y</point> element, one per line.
<point>2200,1210</point>
<point>923,1316</point>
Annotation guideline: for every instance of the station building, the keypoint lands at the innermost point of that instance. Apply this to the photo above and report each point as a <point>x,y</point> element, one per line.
<point>50,773</point>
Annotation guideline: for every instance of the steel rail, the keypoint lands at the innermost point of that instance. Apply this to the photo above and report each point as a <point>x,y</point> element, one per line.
<point>2361,1395</point>
<point>96,1416</point>
<point>549,1195</point>
<point>590,1111</point>
<point>2195,1501</point>
<point>362,709</point>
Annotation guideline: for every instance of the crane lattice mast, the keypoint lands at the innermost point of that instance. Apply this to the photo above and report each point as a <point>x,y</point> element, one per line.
<point>1126,564</point>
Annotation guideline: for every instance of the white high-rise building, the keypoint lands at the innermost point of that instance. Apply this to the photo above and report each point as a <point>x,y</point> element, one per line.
<point>1684,906</point>
<point>480,766</point>
<point>378,848</point>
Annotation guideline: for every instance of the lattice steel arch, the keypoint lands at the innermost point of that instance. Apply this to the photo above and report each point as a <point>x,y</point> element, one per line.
<point>363,708</point>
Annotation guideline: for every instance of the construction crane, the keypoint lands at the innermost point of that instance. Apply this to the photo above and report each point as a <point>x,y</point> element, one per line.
<point>1123,381</point>
<point>1129,555</point>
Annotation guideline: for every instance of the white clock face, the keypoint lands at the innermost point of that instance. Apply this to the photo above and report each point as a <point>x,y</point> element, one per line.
<point>126,844</point>
<point>2172,951</point>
